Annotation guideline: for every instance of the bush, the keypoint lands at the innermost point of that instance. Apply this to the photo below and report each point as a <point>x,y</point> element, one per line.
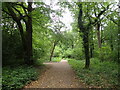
<point>12,50</point>
<point>57,52</point>
<point>56,59</point>
<point>106,54</point>
<point>101,74</point>
<point>39,62</point>
<point>67,53</point>
<point>17,77</point>
<point>75,53</point>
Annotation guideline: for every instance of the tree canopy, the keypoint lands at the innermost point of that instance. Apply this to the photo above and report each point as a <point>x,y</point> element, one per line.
<point>35,32</point>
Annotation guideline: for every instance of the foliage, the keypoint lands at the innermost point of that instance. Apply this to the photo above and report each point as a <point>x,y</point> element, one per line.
<point>11,47</point>
<point>57,52</point>
<point>101,74</point>
<point>67,53</point>
<point>17,77</point>
<point>39,62</point>
<point>75,53</point>
<point>104,53</point>
<point>56,59</point>
<point>48,40</point>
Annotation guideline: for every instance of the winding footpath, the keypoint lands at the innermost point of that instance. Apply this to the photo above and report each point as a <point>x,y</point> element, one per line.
<point>59,75</point>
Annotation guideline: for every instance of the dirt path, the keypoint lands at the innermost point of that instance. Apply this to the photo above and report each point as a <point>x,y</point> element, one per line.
<point>59,75</point>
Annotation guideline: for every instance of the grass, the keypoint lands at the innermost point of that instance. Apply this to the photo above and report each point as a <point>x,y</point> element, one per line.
<point>56,59</point>
<point>101,74</point>
<point>17,77</point>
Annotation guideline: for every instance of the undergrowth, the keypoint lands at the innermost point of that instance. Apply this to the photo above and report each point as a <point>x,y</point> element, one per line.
<point>16,77</point>
<point>56,59</point>
<point>100,74</point>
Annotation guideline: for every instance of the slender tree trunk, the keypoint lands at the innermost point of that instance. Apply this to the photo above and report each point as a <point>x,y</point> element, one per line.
<point>72,46</point>
<point>102,32</point>
<point>54,45</point>
<point>111,43</point>
<point>91,44</point>
<point>98,35</point>
<point>91,50</point>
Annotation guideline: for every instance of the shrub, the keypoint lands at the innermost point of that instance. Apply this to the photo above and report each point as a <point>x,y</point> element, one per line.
<point>12,50</point>
<point>67,53</point>
<point>75,53</point>
<point>56,59</point>
<point>101,74</point>
<point>103,53</point>
<point>17,77</point>
<point>57,52</point>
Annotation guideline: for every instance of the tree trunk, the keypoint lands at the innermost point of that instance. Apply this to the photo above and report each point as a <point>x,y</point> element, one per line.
<point>91,44</point>
<point>86,48</point>
<point>85,31</point>
<point>22,38</point>
<point>98,35</point>
<point>27,37</point>
<point>29,55</point>
<point>91,50</point>
<point>54,45</point>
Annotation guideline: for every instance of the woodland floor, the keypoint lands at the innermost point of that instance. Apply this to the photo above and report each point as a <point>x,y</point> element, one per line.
<point>59,75</point>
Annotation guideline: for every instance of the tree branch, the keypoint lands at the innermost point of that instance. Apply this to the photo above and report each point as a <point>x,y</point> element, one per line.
<point>24,8</point>
<point>6,12</point>
<point>101,13</point>
<point>21,16</point>
<point>80,22</point>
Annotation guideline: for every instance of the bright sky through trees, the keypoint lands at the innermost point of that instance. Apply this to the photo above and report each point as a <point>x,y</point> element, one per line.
<point>38,34</point>
<point>66,19</point>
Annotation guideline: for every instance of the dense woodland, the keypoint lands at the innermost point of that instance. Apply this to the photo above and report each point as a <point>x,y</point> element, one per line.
<point>31,35</point>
